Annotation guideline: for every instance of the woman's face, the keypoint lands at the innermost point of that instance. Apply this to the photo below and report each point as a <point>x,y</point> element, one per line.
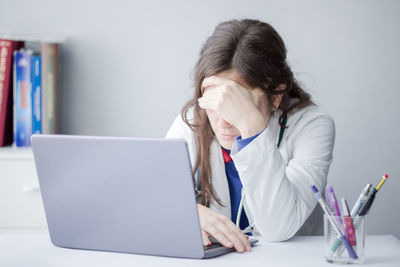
<point>225,132</point>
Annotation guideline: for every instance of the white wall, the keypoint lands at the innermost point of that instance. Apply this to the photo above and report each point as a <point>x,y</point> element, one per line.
<point>127,68</point>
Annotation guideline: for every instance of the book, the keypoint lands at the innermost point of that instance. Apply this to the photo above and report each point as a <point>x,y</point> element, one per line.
<point>36,69</point>
<point>7,48</point>
<point>22,98</point>
<point>49,52</point>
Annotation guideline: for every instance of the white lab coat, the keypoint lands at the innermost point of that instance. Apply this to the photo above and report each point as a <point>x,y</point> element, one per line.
<point>276,182</point>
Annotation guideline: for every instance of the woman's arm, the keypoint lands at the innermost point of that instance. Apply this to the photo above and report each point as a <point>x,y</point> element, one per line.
<point>278,196</point>
<point>211,223</point>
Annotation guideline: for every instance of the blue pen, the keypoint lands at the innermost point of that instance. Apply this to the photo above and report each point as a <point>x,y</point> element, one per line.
<point>335,226</point>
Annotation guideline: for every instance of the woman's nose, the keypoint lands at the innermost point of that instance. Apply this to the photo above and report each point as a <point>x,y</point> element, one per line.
<point>221,123</point>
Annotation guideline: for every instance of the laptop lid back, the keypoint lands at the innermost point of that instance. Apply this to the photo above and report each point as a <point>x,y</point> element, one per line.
<point>132,195</point>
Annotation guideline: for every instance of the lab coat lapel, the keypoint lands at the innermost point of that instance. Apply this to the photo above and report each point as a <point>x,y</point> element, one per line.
<point>274,127</point>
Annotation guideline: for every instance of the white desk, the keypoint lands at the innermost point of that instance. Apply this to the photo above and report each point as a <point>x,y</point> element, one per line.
<point>35,249</point>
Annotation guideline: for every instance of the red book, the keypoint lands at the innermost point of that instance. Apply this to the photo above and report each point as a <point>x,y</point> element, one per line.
<point>7,48</point>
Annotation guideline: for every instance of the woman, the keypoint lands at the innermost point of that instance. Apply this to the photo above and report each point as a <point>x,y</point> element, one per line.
<point>256,140</point>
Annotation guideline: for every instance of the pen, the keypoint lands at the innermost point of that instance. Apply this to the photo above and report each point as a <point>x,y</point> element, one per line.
<point>371,196</point>
<point>356,209</point>
<point>335,226</point>
<point>361,199</point>
<point>331,199</point>
<point>348,222</point>
<point>333,203</point>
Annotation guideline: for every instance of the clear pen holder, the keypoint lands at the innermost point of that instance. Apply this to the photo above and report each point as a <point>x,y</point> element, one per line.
<point>335,251</point>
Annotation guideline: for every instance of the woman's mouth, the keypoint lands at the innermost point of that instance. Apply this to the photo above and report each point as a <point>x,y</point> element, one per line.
<point>226,136</point>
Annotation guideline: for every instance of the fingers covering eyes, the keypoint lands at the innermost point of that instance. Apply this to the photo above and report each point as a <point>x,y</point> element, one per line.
<point>216,80</point>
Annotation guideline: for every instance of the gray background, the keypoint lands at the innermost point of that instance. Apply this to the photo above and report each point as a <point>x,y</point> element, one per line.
<point>127,68</point>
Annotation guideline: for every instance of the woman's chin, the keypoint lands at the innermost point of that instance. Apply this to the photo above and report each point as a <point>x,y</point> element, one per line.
<point>227,144</point>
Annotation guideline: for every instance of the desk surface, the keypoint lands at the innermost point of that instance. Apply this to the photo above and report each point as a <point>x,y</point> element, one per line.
<point>35,249</point>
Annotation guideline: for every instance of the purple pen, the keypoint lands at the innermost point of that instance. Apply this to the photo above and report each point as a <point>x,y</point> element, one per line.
<point>334,205</point>
<point>331,199</point>
<point>334,223</point>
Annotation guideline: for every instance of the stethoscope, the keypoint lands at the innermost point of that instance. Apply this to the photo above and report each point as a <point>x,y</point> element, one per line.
<point>250,229</point>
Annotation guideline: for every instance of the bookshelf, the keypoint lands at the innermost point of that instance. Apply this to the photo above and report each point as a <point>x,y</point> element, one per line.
<point>29,38</point>
<point>21,206</point>
<point>13,153</point>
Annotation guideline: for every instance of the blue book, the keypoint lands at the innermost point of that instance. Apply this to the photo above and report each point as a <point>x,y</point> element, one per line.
<point>22,98</point>
<point>36,69</point>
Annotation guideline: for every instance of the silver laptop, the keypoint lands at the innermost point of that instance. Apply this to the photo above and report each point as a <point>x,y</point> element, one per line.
<point>131,195</point>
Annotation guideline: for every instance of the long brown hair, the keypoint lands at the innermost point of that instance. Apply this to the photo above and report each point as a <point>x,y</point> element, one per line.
<point>257,52</point>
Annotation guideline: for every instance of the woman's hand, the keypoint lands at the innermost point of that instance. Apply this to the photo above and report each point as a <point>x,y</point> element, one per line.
<point>235,104</point>
<point>222,229</point>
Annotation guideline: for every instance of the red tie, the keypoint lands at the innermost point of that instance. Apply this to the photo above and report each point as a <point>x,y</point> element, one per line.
<point>226,156</point>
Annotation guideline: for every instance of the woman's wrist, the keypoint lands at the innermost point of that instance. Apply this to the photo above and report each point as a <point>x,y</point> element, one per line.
<point>253,125</point>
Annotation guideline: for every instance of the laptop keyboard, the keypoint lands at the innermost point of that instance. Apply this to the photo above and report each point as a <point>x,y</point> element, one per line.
<point>213,245</point>
<point>216,244</point>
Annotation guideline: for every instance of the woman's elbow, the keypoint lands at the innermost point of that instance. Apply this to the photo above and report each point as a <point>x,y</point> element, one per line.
<point>282,229</point>
<point>274,234</point>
